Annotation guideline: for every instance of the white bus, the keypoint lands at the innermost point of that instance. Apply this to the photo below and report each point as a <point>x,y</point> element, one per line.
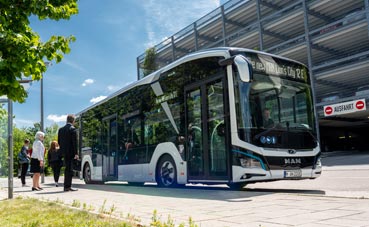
<point>201,119</point>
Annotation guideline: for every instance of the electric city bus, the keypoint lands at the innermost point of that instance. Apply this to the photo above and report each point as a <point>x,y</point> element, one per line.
<point>219,116</point>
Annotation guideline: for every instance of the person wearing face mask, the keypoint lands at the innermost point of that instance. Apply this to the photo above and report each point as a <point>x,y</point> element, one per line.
<point>37,160</point>
<point>23,158</point>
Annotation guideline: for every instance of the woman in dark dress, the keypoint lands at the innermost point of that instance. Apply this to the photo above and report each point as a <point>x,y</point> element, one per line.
<point>54,157</point>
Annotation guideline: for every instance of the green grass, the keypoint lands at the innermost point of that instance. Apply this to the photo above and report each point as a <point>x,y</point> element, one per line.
<point>33,213</point>
<point>29,212</point>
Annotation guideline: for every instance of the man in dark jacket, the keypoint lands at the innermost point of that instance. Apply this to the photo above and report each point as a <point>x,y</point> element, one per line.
<point>67,139</point>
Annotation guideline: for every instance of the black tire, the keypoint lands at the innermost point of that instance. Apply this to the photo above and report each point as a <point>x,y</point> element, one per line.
<point>87,174</point>
<point>166,172</point>
<point>237,186</point>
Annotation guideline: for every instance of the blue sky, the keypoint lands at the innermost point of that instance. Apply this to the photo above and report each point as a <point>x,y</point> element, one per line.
<point>110,35</point>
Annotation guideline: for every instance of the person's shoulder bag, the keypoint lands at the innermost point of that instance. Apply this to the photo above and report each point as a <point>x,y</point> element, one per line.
<point>22,158</point>
<point>77,165</point>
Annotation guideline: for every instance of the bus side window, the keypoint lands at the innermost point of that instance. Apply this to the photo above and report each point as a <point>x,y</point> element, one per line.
<point>131,139</point>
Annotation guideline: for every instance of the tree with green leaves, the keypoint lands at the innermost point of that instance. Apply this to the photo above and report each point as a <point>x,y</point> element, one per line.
<point>22,53</point>
<point>149,64</point>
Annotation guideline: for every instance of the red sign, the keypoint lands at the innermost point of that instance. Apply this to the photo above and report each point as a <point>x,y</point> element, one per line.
<point>359,105</point>
<point>328,110</point>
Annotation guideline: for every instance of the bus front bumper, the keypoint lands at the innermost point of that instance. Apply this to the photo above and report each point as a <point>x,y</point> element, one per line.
<point>241,174</point>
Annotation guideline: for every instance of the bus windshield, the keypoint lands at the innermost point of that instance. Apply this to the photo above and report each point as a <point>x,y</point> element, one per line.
<point>275,112</point>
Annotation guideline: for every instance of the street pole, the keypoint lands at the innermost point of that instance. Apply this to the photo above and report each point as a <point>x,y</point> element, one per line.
<point>10,149</point>
<point>10,144</point>
<point>42,121</point>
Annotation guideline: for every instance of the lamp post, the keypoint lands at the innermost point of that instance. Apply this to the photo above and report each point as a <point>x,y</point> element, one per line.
<point>42,119</point>
<point>10,149</point>
<point>42,111</point>
<point>10,143</point>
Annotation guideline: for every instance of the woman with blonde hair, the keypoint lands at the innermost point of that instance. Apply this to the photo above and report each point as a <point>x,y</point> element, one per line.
<point>37,160</point>
<point>54,157</point>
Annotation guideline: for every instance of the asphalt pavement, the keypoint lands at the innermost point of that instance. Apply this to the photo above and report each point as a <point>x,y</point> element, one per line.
<point>340,197</point>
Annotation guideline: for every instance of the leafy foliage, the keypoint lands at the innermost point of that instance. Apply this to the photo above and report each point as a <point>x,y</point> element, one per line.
<point>19,135</point>
<point>22,53</point>
<point>149,64</point>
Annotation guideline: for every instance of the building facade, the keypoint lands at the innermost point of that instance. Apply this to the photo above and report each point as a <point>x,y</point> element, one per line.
<point>330,36</point>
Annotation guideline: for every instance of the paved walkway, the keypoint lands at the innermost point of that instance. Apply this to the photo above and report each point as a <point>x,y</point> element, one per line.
<point>340,197</point>
<point>209,206</point>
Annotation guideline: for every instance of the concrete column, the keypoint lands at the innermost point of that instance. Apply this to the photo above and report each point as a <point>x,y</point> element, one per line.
<point>224,31</point>
<point>196,36</point>
<point>367,13</point>
<point>310,62</point>
<point>261,43</point>
<point>173,49</point>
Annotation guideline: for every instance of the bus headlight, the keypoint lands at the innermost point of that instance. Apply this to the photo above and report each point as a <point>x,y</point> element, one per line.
<point>318,164</point>
<point>247,162</point>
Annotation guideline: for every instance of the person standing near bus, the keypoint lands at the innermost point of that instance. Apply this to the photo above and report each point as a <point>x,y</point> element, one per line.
<point>55,160</point>
<point>23,158</point>
<point>67,139</point>
<point>37,160</point>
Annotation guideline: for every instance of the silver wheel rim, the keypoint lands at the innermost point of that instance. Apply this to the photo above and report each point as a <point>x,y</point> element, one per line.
<point>167,173</point>
<point>87,174</point>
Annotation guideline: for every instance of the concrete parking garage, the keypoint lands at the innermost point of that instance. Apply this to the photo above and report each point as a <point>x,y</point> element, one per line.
<point>330,37</point>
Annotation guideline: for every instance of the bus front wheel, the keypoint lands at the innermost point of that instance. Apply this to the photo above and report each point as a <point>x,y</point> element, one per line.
<point>237,186</point>
<point>166,172</point>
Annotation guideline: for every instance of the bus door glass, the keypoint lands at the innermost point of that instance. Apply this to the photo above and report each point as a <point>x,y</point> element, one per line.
<point>206,133</point>
<point>110,147</point>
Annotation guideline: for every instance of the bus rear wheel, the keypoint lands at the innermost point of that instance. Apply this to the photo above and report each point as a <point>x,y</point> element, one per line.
<point>166,172</point>
<point>87,174</point>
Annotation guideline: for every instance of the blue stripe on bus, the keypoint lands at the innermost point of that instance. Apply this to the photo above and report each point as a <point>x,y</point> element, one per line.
<point>251,156</point>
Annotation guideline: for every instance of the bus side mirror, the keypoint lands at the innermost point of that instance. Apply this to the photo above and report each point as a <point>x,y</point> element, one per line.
<point>244,68</point>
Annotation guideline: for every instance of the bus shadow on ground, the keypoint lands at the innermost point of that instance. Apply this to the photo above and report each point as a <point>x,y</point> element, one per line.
<point>289,191</point>
<point>211,192</point>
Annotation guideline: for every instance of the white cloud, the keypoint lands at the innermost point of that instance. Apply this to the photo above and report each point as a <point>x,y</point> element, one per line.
<point>87,82</point>
<point>166,17</point>
<point>56,118</point>
<point>74,65</point>
<point>113,88</point>
<point>97,99</point>
<point>24,122</point>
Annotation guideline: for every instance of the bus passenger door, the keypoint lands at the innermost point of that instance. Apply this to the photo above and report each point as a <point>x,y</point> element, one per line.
<point>206,132</point>
<point>110,148</point>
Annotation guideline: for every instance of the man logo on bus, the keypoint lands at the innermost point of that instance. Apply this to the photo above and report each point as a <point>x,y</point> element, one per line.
<point>289,161</point>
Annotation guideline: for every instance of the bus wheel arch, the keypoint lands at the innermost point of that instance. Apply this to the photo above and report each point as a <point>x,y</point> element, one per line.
<point>166,171</point>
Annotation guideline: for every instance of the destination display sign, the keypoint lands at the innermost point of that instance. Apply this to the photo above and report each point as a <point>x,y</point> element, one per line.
<point>278,67</point>
<point>345,107</point>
